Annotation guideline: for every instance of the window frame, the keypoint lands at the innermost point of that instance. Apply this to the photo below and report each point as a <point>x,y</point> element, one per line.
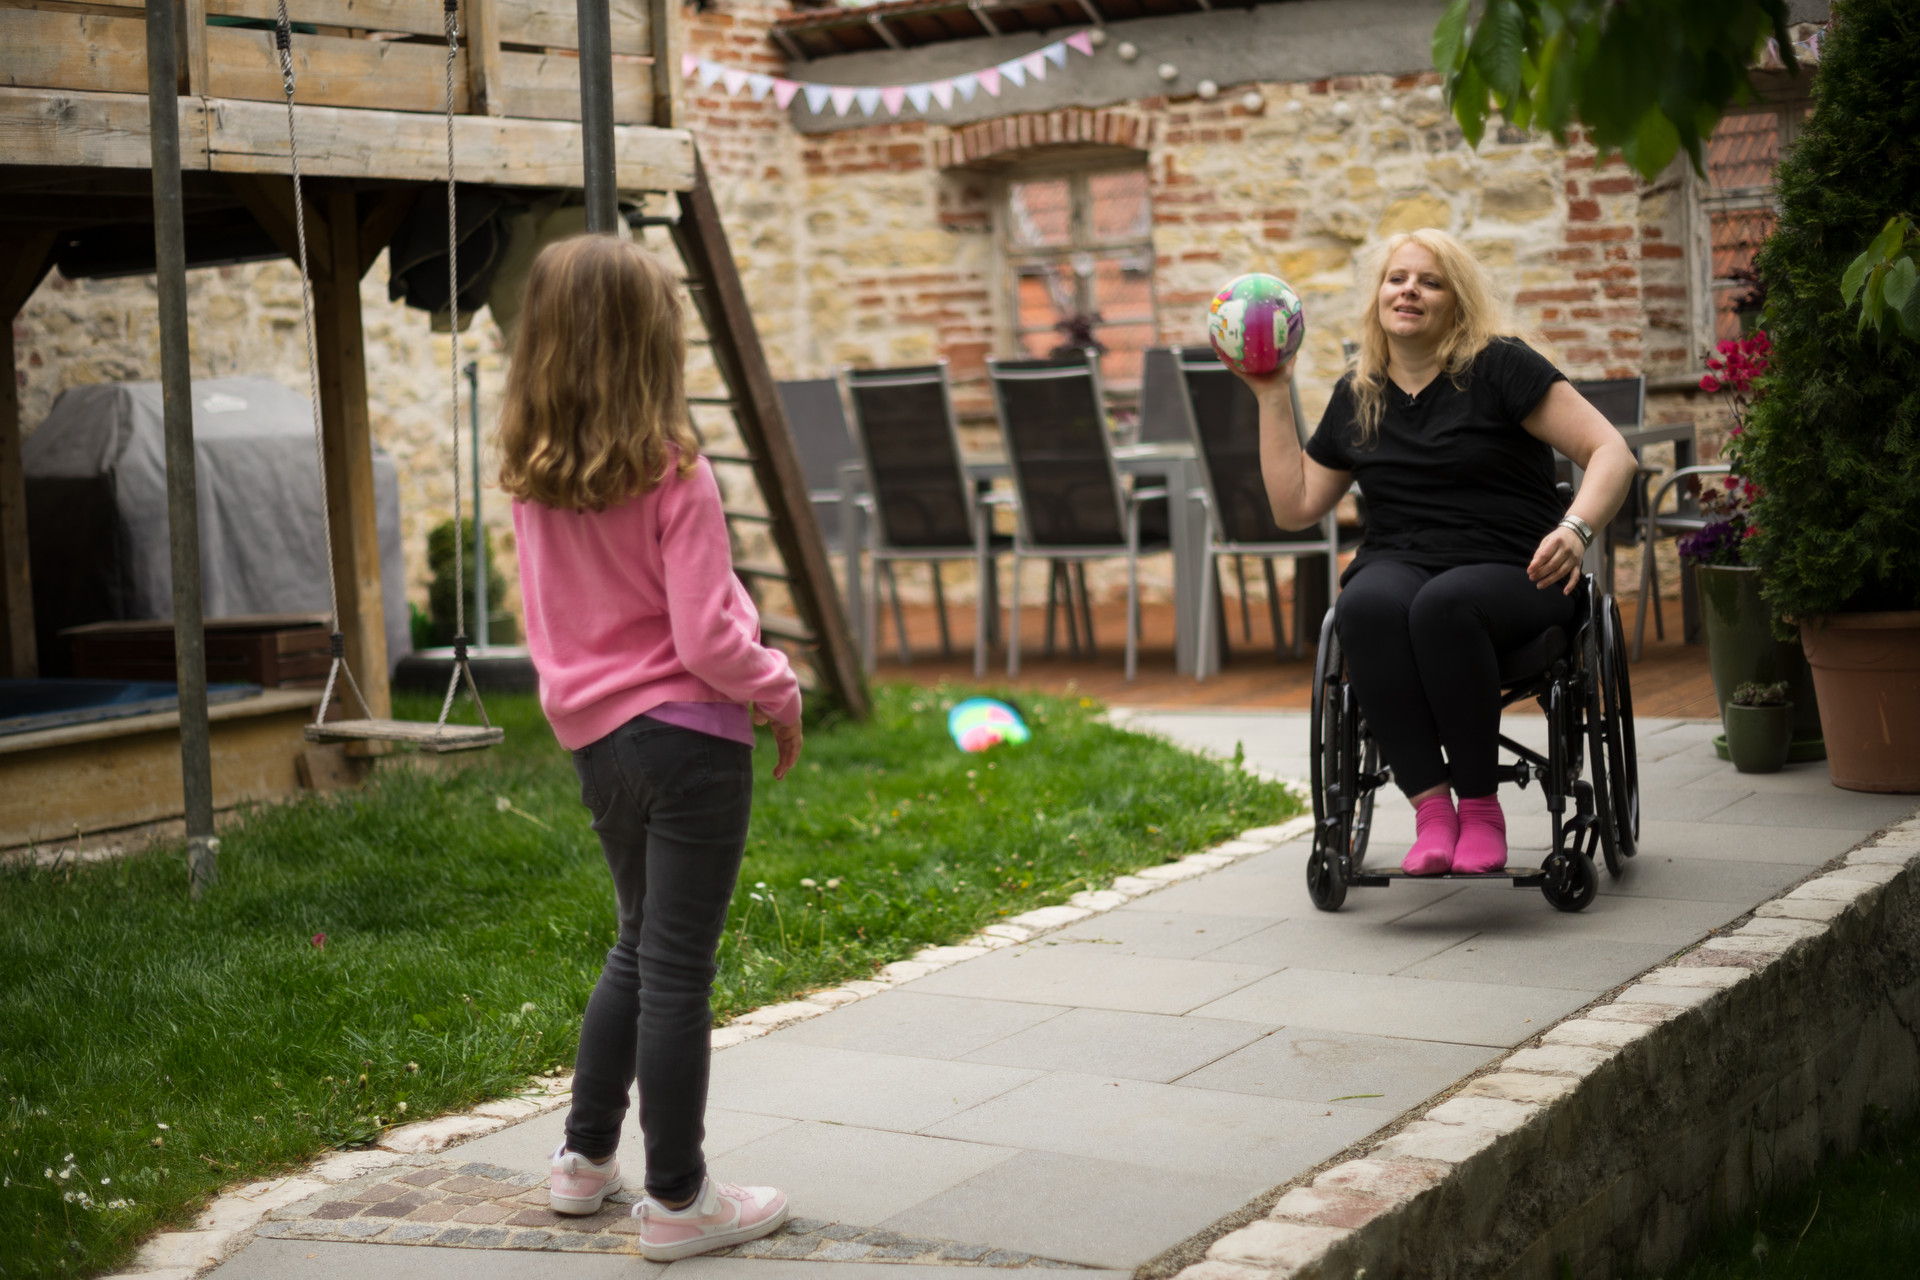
<point>1078,171</point>
<point>1703,201</point>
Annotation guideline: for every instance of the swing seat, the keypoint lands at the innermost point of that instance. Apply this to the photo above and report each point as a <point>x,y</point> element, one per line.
<point>420,733</point>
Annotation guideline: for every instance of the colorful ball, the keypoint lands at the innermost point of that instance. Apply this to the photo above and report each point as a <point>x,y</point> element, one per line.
<point>1255,323</point>
<point>979,723</point>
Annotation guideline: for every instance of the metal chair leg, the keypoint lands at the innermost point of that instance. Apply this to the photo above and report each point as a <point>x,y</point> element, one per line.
<point>899,615</point>
<point>1246,611</point>
<point>1273,608</point>
<point>1054,571</point>
<point>1086,606</point>
<point>1013,621</point>
<point>1133,591</point>
<point>940,608</point>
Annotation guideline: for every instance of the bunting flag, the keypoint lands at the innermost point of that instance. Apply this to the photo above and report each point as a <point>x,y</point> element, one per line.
<point>894,97</point>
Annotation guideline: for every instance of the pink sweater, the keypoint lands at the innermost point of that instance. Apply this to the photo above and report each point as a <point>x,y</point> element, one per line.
<point>637,605</point>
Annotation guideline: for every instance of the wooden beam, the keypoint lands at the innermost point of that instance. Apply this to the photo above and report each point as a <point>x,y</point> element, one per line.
<point>193,48</point>
<point>377,228</point>
<point>269,198</point>
<point>347,445</point>
<point>483,58</point>
<point>109,130</point>
<point>23,264</point>
<point>663,17</point>
<point>546,24</point>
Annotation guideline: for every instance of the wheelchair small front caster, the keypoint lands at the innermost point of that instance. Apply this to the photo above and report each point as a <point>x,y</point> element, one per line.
<point>1324,883</point>
<point>1571,881</point>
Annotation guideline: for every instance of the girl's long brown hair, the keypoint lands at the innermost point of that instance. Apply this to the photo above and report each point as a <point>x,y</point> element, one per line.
<point>1478,317</point>
<point>596,394</point>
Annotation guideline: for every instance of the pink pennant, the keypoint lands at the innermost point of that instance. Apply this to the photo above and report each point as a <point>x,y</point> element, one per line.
<point>783,91</point>
<point>893,95</point>
<point>689,63</point>
<point>734,80</point>
<point>943,93</point>
<point>990,81</point>
<point>1036,65</point>
<point>1081,40</point>
<point>842,99</point>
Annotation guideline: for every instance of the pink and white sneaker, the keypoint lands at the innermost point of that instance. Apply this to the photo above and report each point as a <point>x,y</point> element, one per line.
<point>721,1215</point>
<point>579,1185</point>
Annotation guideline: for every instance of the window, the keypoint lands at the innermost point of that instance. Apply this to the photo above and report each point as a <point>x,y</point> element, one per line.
<point>1079,253</point>
<point>1735,213</point>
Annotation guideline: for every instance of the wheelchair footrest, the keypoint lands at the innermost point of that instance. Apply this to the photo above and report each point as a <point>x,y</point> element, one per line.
<point>1522,877</point>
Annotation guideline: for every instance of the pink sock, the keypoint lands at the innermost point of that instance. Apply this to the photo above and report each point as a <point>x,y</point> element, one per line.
<point>1435,830</point>
<point>1483,835</point>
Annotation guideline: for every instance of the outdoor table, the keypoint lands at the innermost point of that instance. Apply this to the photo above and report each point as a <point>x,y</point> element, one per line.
<point>1171,463</point>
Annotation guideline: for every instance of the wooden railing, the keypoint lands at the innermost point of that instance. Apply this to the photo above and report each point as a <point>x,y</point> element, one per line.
<point>516,57</point>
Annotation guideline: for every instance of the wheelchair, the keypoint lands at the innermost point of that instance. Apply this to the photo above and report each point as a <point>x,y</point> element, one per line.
<point>1580,682</point>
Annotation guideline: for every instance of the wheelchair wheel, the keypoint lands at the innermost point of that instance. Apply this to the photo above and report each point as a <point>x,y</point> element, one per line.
<point>1623,762</point>
<point>1571,882</point>
<point>1605,815</point>
<point>1332,728</point>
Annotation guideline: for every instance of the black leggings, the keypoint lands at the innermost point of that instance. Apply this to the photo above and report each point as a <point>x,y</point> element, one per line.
<point>1423,652</point>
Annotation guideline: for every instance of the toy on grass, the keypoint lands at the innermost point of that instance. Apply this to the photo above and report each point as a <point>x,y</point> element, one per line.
<point>979,723</point>
<point>1255,323</point>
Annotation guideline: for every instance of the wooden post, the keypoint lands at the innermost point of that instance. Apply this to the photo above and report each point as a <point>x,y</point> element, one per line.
<point>347,432</point>
<point>484,83</point>
<point>192,42</point>
<point>663,29</point>
<point>23,264</point>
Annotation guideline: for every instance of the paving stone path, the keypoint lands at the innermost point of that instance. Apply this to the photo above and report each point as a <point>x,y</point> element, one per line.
<point>1100,1093</point>
<point>469,1204</point>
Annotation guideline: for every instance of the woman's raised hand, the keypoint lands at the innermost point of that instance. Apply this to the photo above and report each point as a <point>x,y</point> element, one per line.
<point>1558,556</point>
<point>1266,383</point>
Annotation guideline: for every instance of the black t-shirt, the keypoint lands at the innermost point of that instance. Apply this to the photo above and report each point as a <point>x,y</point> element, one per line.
<point>1453,477</point>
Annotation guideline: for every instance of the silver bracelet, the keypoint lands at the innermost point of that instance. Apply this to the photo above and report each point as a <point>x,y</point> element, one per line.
<point>1581,530</point>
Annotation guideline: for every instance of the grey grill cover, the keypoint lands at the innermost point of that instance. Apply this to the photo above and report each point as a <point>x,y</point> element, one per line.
<point>96,483</point>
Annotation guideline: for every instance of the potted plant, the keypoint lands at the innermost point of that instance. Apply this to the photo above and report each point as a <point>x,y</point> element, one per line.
<point>1759,722</point>
<point>1741,646</point>
<point>501,626</point>
<point>1834,443</point>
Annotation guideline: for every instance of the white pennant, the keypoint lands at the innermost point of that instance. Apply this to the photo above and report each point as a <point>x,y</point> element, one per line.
<point>817,95</point>
<point>1036,65</point>
<point>736,81</point>
<point>869,100</point>
<point>919,95</point>
<point>966,84</point>
<point>1056,53</point>
<point>1014,72</point>
<point>942,93</point>
<point>710,72</point>
<point>759,86</point>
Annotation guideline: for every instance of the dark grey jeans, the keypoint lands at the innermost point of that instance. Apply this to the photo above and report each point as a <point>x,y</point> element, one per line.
<point>670,806</point>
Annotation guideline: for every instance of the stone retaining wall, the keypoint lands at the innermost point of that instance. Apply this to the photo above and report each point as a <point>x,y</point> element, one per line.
<point>1612,1143</point>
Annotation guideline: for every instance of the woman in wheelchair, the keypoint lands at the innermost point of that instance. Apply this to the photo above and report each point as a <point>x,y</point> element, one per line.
<point>1470,552</point>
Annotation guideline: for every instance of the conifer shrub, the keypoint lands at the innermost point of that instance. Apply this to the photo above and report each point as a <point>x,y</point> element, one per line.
<point>1834,443</point>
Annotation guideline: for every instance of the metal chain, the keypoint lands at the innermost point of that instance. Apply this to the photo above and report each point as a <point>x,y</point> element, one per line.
<point>283,41</point>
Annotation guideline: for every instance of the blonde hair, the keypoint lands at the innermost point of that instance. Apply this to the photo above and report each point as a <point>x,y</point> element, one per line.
<point>1478,317</point>
<point>596,394</point>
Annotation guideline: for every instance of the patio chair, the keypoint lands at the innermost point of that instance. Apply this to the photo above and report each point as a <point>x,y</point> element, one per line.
<point>1163,400</point>
<point>924,504</point>
<point>1072,505</point>
<point>818,419</point>
<point>1224,421</point>
<point>1656,523</point>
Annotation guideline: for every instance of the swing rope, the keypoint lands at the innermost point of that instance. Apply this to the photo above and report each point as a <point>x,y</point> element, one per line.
<point>283,41</point>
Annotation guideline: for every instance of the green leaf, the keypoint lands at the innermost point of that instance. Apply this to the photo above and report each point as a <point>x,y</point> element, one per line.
<point>1652,145</point>
<point>1449,35</point>
<point>1855,276</point>
<point>1469,94</point>
<point>1889,239</point>
<point>1901,277</point>
<point>1875,302</point>
<point>1498,43</point>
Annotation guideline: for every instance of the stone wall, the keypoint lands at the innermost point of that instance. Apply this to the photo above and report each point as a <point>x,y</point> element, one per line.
<point>874,245</point>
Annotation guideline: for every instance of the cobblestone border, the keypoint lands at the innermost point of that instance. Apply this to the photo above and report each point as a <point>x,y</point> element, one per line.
<point>234,1215</point>
<point>1433,1195</point>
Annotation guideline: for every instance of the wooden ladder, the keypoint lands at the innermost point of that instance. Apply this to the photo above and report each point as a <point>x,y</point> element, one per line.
<point>818,629</point>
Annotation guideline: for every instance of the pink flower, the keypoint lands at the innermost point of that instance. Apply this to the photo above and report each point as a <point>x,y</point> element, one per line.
<point>320,941</point>
<point>1751,530</point>
<point>1709,382</point>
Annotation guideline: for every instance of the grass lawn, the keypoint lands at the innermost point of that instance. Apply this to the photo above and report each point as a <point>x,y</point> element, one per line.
<point>429,941</point>
<point>1856,1219</point>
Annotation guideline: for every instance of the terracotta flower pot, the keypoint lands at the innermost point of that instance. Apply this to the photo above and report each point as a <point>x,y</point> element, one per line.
<point>1758,737</point>
<point>1866,667</point>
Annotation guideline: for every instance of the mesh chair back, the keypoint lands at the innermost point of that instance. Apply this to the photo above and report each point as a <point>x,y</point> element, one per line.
<point>912,449</point>
<point>1054,422</point>
<point>1225,424</point>
<point>1623,401</point>
<point>1163,402</point>
<point>818,421</point>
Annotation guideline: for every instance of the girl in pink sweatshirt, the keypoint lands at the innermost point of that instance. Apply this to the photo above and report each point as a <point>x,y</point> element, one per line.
<point>652,673</point>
